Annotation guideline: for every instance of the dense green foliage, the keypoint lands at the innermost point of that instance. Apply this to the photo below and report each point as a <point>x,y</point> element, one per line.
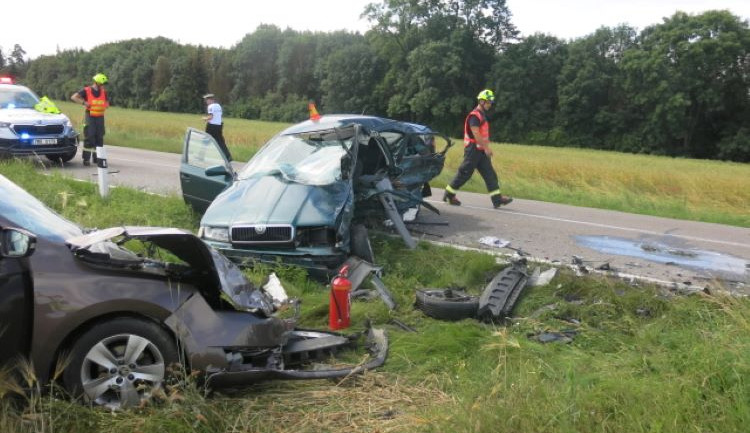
<point>678,88</point>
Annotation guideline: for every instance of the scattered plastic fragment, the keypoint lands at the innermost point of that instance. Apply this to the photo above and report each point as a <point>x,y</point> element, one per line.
<point>538,278</point>
<point>555,336</point>
<point>274,288</point>
<point>492,241</point>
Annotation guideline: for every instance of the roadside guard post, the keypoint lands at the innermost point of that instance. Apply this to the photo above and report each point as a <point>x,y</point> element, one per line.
<point>101,156</point>
<point>340,302</point>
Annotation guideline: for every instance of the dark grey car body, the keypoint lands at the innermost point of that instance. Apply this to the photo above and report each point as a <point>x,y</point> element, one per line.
<point>76,282</point>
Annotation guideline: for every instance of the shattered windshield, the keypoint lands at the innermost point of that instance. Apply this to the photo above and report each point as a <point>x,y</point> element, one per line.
<point>311,158</point>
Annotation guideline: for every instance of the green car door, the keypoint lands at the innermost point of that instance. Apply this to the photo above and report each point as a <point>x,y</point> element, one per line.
<point>204,171</point>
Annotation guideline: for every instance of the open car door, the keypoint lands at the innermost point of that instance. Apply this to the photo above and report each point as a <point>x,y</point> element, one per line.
<point>204,171</point>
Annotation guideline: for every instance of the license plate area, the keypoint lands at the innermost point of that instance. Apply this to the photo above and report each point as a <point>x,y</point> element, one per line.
<point>43,141</point>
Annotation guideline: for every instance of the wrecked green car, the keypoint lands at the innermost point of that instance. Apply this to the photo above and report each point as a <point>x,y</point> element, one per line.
<point>301,197</point>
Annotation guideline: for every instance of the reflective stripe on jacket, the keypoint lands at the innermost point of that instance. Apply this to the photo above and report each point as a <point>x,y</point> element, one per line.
<point>484,129</point>
<point>97,105</point>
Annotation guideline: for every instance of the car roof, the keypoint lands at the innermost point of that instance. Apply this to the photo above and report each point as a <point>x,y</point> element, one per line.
<point>372,123</point>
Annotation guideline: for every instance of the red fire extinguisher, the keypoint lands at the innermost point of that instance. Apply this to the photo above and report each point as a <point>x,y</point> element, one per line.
<point>339,303</point>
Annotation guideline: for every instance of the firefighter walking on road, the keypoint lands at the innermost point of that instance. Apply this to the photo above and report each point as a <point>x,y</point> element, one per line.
<point>477,154</point>
<point>95,99</point>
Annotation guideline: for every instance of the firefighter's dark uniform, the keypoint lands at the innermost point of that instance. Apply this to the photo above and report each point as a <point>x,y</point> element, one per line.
<point>474,156</point>
<point>93,128</point>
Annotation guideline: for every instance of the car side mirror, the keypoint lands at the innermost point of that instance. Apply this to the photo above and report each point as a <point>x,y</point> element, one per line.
<point>217,170</point>
<point>16,243</point>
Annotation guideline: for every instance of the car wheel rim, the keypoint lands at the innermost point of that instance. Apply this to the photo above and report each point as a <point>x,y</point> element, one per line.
<point>121,370</point>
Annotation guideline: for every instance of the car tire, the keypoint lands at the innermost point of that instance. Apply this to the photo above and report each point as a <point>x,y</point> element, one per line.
<point>447,304</point>
<point>62,157</point>
<point>103,372</point>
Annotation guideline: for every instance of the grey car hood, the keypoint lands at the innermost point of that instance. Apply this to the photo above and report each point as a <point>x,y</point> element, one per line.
<point>188,248</point>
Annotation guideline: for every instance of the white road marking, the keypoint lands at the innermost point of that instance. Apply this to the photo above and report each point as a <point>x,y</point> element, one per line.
<point>607,226</point>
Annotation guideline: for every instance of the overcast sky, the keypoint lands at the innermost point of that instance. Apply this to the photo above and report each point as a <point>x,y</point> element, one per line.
<point>53,24</point>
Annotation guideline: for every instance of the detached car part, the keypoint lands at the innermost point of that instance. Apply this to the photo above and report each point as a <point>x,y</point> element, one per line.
<point>447,304</point>
<point>357,271</point>
<point>500,295</point>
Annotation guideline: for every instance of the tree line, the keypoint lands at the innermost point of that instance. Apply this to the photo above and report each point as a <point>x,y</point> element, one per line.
<point>677,88</point>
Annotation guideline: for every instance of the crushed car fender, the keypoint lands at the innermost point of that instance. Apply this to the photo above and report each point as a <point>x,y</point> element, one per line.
<point>206,332</point>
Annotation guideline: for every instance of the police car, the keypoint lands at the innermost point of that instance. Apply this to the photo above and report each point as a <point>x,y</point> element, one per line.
<point>30,126</point>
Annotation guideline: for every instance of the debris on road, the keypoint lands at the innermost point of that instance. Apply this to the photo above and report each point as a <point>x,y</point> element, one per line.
<point>492,241</point>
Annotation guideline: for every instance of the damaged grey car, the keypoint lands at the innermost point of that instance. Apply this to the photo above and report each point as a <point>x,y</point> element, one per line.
<point>115,308</point>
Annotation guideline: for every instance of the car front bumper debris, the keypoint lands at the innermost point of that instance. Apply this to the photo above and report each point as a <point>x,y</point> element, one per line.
<point>376,342</point>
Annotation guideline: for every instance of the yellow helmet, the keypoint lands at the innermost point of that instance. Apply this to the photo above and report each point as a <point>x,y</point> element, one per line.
<point>487,95</point>
<point>100,78</point>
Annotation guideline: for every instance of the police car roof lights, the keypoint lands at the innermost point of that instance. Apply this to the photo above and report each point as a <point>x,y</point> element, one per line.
<point>7,80</point>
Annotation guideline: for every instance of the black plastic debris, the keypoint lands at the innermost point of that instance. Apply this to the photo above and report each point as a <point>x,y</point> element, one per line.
<point>565,336</point>
<point>500,295</point>
<point>446,304</point>
<point>396,322</point>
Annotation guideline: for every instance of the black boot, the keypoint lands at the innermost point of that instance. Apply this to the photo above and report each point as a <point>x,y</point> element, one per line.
<point>451,199</point>
<point>500,200</point>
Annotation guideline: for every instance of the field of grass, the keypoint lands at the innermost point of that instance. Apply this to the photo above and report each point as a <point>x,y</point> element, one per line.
<point>640,360</point>
<point>165,132</point>
<point>709,191</point>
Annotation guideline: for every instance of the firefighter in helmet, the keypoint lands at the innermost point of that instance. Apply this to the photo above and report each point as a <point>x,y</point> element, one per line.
<point>477,154</point>
<point>95,99</point>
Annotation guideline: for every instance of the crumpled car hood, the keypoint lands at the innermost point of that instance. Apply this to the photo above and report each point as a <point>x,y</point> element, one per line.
<point>193,251</point>
<point>271,200</point>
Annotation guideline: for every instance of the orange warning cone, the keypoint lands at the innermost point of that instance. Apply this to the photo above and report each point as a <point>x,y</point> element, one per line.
<point>314,115</point>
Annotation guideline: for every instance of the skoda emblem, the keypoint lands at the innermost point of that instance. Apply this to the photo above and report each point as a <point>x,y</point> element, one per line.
<point>260,229</point>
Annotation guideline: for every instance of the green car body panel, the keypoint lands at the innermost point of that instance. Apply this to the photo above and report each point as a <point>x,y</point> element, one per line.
<point>271,215</point>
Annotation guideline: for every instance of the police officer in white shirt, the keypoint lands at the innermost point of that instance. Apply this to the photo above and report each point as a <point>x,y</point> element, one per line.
<point>214,123</point>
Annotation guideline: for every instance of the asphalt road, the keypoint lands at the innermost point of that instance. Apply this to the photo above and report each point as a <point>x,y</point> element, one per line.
<point>685,253</point>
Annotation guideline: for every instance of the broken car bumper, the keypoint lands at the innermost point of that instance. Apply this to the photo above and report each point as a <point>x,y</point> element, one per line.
<point>377,342</point>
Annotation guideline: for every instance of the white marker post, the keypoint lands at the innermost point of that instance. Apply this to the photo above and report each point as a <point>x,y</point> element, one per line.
<point>102,169</point>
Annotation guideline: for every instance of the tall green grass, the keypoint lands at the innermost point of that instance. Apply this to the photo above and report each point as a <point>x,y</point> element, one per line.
<point>710,191</point>
<point>701,190</point>
<point>641,360</point>
<point>165,132</point>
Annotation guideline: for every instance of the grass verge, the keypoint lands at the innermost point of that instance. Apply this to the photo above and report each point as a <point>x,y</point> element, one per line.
<point>638,359</point>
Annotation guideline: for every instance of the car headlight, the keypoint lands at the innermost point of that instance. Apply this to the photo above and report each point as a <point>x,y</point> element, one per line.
<point>219,234</point>
<point>68,124</point>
